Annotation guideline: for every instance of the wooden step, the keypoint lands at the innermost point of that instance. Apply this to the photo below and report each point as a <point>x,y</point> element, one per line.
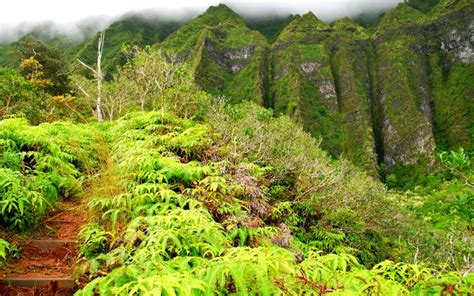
<point>67,283</point>
<point>52,244</point>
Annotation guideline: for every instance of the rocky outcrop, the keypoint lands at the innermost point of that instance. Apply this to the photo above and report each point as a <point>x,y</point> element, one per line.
<point>227,57</point>
<point>460,44</point>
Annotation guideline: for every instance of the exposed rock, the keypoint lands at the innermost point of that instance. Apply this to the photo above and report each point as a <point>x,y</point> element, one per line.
<point>309,67</point>
<point>227,57</point>
<point>241,53</point>
<point>460,44</point>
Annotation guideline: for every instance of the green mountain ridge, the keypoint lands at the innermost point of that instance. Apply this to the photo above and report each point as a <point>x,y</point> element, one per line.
<point>369,96</point>
<point>131,30</point>
<point>228,58</point>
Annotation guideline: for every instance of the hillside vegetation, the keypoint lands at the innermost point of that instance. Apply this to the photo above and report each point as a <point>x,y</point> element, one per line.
<point>234,204</point>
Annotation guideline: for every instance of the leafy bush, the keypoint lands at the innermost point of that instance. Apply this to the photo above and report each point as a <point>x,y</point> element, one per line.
<point>94,241</point>
<point>7,251</point>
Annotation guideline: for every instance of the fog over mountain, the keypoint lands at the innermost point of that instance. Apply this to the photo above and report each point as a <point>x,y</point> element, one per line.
<point>82,18</point>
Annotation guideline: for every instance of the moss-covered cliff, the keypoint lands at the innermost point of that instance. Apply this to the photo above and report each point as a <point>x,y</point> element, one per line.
<point>228,58</point>
<point>351,63</point>
<point>303,83</point>
<point>424,74</point>
<point>389,96</point>
<point>403,92</point>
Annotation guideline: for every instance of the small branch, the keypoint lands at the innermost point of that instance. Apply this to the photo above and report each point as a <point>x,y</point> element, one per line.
<point>87,66</point>
<point>83,90</point>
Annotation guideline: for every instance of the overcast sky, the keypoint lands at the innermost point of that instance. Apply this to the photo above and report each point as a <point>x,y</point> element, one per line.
<point>67,12</point>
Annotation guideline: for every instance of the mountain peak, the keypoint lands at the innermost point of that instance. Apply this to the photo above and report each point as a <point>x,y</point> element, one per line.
<point>220,8</point>
<point>346,25</point>
<point>401,16</point>
<point>303,27</point>
<point>220,12</point>
<point>309,21</point>
<point>310,16</point>
<point>215,15</point>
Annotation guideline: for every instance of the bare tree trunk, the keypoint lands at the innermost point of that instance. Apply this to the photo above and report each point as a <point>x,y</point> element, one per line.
<point>100,49</point>
<point>98,75</point>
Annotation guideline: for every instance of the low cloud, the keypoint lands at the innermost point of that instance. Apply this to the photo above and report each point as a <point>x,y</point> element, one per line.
<point>326,10</point>
<point>81,19</point>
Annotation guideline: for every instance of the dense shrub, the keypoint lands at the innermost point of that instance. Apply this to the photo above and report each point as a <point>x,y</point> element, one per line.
<point>242,212</point>
<point>39,165</point>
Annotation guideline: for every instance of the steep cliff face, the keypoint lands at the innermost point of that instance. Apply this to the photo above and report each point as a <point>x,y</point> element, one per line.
<point>351,63</point>
<point>394,95</point>
<point>303,83</point>
<point>387,97</point>
<point>228,58</point>
<point>403,90</point>
<point>452,76</point>
<point>424,73</point>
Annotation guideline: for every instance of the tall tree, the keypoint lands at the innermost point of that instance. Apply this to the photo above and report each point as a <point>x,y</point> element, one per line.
<point>53,64</point>
<point>33,71</point>
<point>18,95</point>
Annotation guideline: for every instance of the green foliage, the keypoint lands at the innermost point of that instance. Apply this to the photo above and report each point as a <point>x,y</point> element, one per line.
<point>7,251</point>
<point>158,81</point>
<point>52,61</point>
<point>18,95</point>
<point>94,241</point>
<point>243,202</point>
<point>455,160</point>
<point>39,165</point>
<point>244,206</point>
<point>444,199</point>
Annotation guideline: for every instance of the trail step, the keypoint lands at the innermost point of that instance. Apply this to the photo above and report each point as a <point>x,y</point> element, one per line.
<point>52,244</point>
<point>38,282</point>
<point>59,221</point>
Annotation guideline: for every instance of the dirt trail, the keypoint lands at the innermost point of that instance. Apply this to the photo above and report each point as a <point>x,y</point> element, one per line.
<point>49,253</point>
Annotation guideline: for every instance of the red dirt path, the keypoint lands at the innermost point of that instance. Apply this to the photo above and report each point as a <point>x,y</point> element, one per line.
<point>48,263</point>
